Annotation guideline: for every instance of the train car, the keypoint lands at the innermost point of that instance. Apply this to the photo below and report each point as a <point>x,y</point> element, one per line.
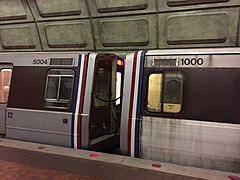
<point>180,106</point>
<point>183,106</point>
<point>66,99</point>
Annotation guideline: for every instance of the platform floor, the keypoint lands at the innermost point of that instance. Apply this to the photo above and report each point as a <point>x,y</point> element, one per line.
<point>24,160</point>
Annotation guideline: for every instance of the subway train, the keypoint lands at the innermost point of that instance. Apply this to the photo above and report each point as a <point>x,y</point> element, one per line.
<point>179,106</point>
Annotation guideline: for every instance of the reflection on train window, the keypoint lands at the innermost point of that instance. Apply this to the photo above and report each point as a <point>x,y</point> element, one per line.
<point>5,80</point>
<point>102,86</point>
<point>59,87</point>
<point>170,87</point>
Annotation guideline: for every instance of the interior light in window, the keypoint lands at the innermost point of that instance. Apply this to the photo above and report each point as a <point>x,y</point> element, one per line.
<point>120,62</point>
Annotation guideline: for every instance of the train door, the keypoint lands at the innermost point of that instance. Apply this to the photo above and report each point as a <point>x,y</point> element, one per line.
<point>5,80</point>
<point>106,100</point>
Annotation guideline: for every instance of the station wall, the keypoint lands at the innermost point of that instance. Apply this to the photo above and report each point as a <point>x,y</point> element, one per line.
<point>119,25</point>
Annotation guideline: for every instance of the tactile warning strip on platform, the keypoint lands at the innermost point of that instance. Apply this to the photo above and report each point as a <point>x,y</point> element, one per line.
<point>89,169</point>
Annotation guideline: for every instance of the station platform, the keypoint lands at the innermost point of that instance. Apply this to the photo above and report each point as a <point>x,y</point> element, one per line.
<point>24,160</point>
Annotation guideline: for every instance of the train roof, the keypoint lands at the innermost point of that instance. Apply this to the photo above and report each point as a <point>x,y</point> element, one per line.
<point>194,58</point>
<point>195,51</point>
<point>40,58</point>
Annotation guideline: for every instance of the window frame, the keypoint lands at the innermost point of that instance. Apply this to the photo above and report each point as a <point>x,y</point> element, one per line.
<point>163,71</point>
<point>58,100</point>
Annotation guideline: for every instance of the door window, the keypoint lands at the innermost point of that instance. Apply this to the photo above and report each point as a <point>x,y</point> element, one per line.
<point>5,80</point>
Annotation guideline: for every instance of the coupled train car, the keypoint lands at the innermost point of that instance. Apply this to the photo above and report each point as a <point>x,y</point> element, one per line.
<point>180,106</point>
<point>183,106</point>
<point>62,98</point>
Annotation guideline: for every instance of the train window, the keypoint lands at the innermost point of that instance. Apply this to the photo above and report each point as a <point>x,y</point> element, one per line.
<point>52,87</point>
<point>59,87</point>
<point>173,87</point>
<point>165,92</point>
<point>155,92</point>
<point>5,80</point>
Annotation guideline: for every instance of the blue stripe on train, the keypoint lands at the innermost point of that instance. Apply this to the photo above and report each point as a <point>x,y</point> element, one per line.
<point>140,87</point>
<point>75,99</point>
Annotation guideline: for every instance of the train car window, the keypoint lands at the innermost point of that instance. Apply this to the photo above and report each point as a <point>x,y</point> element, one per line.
<point>165,92</point>
<point>155,82</point>
<point>52,87</point>
<point>66,88</point>
<point>173,87</point>
<point>59,87</point>
<point>5,80</point>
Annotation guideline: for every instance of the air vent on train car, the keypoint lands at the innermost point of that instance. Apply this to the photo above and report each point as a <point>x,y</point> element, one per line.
<point>61,61</point>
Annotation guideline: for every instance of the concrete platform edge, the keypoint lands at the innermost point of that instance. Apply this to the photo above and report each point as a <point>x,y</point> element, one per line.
<point>118,159</point>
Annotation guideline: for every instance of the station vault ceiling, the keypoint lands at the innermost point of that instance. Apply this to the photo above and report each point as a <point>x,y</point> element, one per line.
<point>117,25</point>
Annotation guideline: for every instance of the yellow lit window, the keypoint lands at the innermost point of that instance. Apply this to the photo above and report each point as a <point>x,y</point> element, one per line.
<point>5,80</point>
<point>165,92</point>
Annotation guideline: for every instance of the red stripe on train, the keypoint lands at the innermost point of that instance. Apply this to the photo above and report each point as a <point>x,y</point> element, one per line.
<point>131,102</point>
<point>81,102</point>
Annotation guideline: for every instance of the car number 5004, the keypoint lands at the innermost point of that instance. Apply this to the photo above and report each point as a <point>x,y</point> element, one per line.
<point>40,61</point>
<point>189,62</point>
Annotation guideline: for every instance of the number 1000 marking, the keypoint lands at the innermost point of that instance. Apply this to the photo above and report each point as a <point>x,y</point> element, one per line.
<point>193,61</point>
